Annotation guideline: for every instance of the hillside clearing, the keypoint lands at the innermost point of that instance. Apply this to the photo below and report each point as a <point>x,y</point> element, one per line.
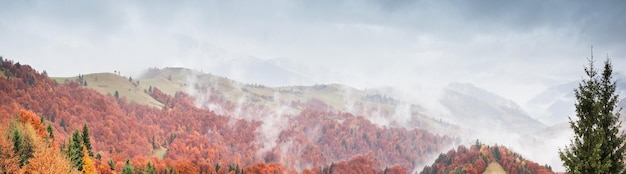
<point>160,153</point>
<point>108,83</point>
<point>494,168</point>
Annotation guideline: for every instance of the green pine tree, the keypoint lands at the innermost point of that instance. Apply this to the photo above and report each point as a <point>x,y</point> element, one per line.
<point>50,131</point>
<point>150,169</point>
<point>63,124</point>
<point>75,150</point>
<point>111,165</point>
<point>128,168</point>
<point>53,117</point>
<point>610,124</point>
<point>22,145</point>
<point>87,140</point>
<point>596,146</point>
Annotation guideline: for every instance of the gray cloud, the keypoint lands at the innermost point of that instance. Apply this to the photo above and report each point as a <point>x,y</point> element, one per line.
<point>514,48</point>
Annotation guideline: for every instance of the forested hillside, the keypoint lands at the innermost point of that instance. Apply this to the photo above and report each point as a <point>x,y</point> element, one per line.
<point>478,157</point>
<point>181,137</point>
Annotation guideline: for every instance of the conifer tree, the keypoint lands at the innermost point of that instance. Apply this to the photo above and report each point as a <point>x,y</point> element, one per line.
<point>75,151</point>
<point>150,169</point>
<point>610,123</point>
<point>87,140</point>
<point>128,167</point>
<point>50,131</point>
<point>596,146</point>
<point>22,145</point>
<point>111,164</point>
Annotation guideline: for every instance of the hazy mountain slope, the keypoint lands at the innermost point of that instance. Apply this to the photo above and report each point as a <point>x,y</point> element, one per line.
<point>378,108</point>
<point>474,107</point>
<point>192,81</point>
<point>544,144</point>
<point>556,104</point>
<point>371,104</point>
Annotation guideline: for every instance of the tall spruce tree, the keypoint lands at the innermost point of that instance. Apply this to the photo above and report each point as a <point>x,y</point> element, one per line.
<point>596,146</point>
<point>610,123</point>
<point>74,150</point>
<point>50,131</point>
<point>23,145</point>
<point>150,169</point>
<point>128,167</point>
<point>87,140</point>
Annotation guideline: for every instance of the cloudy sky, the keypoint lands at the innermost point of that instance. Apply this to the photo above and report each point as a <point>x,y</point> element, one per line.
<point>513,48</point>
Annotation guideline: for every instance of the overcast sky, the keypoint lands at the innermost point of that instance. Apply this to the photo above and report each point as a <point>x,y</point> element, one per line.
<point>513,48</point>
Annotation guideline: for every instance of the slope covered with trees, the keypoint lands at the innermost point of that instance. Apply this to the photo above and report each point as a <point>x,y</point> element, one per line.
<point>477,157</point>
<point>110,134</point>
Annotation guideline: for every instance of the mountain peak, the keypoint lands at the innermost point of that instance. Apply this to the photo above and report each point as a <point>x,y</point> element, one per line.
<point>483,95</point>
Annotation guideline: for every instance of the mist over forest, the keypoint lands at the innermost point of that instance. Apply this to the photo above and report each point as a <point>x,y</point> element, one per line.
<point>294,86</point>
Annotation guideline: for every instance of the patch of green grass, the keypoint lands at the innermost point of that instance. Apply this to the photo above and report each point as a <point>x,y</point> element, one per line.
<point>62,80</point>
<point>108,83</point>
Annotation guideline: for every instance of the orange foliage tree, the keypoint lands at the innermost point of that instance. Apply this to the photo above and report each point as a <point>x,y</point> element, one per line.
<point>9,162</point>
<point>88,164</point>
<point>46,158</point>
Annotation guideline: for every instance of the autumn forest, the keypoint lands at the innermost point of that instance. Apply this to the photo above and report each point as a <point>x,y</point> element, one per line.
<point>51,127</point>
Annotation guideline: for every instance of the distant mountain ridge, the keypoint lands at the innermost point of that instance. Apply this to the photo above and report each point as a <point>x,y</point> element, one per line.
<point>556,103</point>
<point>475,107</point>
<point>470,90</point>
